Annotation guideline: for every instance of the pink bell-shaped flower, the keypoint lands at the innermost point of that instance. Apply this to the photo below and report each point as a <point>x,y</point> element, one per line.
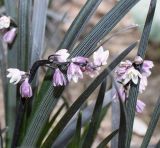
<point>25,89</point>
<point>59,78</point>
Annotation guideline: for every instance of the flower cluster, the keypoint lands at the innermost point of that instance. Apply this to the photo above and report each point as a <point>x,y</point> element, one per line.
<point>126,73</point>
<point>64,69</point>
<point>7,30</point>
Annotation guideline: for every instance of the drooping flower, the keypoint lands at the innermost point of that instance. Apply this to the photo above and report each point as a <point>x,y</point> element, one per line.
<point>25,89</point>
<point>59,78</point>
<point>4,22</point>
<point>74,72</point>
<point>147,65</point>
<point>15,75</point>
<point>143,83</point>
<point>140,106</point>
<point>9,36</point>
<point>100,57</point>
<point>131,74</point>
<point>62,55</point>
<point>122,69</point>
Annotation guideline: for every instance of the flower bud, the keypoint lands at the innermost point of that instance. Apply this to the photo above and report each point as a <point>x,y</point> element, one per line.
<point>9,36</point>
<point>25,89</point>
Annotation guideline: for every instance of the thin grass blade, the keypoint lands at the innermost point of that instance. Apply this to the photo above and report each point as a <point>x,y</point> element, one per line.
<point>24,19</point>
<point>134,90</point>
<point>76,139</point>
<point>48,125</point>
<point>38,28</point>
<point>11,8</point>
<point>95,117</point>
<point>153,122</point>
<point>10,94</point>
<point>107,139</point>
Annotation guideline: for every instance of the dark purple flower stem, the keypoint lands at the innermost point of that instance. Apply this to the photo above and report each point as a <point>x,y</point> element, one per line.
<point>18,122</point>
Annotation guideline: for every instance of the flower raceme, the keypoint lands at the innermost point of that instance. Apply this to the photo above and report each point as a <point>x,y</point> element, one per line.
<point>64,69</point>
<point>125,73</point>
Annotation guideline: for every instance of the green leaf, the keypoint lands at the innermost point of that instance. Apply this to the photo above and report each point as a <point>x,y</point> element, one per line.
<point>83,97</point>
<point>37,37</point>
<point>76,139</point>
<point>153,122</point>
<point>107,139</point>
<point>79,23</point>
<point>24,21</point>
<point>48,125</point>
<point>11,8</point>
<point>23,59</point>
<point>134,90</point>
<point>123,120</point>
<point>95,117</point>
<point>3,68</point>
<point>38,28</point>
<point>10,94</point>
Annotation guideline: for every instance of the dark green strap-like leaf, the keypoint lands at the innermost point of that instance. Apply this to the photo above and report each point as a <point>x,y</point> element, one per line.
<point>123,117</point>
<point>24,19</point>
<point>38,28</point>
<point>153,122</point>
<point>18,123</point>
<point>79,23</point>
<point>95,117</point>
<point>76,139</point>
<point>83,97</point>
<point>11,8</point>
<point>48,125</point>
<point>23,60</point>
<point>134,90</point>
<point>107,139</point>
<point>10,94</point>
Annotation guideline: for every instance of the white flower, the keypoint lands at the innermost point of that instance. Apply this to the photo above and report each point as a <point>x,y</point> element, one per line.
<point>15,75</point>
<point>100,57</point>
<point>131,74</point>
<point>62,55</point>
<point>4,22</point>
